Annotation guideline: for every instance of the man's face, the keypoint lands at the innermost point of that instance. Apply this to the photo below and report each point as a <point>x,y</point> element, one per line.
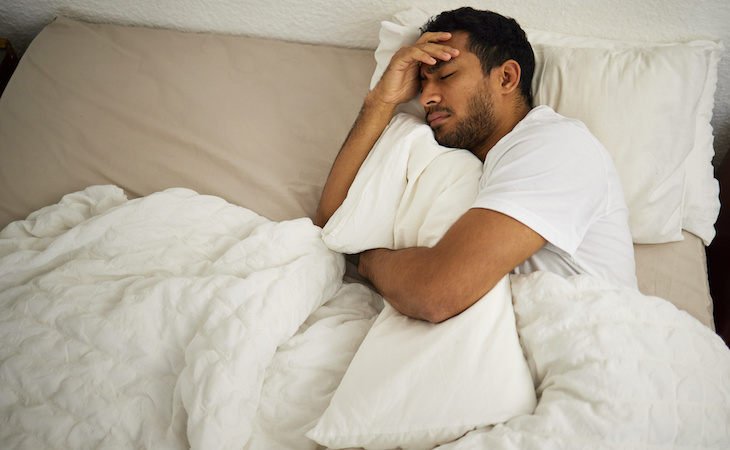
<point>470,129</point>
<point>458,100</point>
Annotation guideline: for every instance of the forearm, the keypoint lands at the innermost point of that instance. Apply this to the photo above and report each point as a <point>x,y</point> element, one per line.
<point>373,118</point>
<point>415,282</point>
<point>437,283</point>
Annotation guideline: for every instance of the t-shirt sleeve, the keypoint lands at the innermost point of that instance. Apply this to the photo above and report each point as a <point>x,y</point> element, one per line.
<point>553,182</point>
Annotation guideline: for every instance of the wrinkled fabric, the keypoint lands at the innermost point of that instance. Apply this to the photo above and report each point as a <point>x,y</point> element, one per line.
<point>149,323</point>
<point>181,321</point>
<point>613,369</point>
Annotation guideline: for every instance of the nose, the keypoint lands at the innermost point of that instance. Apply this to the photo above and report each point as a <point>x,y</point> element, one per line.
<point>430,96</point>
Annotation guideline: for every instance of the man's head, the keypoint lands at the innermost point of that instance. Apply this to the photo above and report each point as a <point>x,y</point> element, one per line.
<point>476,95</point>
<point>493,38</point>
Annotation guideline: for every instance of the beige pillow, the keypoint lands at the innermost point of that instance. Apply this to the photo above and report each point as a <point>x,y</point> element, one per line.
<point>254,121</point>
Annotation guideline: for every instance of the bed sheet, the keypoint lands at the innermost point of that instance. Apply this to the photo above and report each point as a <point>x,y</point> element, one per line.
<point>677,271</point>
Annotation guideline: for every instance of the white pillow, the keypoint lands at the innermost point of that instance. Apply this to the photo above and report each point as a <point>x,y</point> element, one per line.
<point>408,191</point>
<point>413,384</point>
<point>650,105</point>
<point>664,154</point>
<point>702,190</point>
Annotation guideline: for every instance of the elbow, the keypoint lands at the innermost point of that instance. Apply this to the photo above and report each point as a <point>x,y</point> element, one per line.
<point>440,311</point>
<point>436,316</point>
<point>423,302</point>
<point>439,303</point>
<point>444,298</point>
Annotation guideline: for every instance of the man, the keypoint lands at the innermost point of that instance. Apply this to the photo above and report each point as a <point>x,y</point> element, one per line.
<point>549,199</point>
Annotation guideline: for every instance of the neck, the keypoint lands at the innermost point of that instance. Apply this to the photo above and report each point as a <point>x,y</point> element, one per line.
<point>502,128</point>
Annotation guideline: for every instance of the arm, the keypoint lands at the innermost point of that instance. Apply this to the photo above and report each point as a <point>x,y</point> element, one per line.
<point>437,283</point>
<point>399,84</point>
<point>373,118</point>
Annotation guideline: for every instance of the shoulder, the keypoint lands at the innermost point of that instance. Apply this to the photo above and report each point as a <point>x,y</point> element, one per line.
<point>544,128</point>
<point>547,140</point>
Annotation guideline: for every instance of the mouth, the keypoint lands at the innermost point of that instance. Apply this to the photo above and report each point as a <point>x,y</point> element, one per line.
<point>435,118</point>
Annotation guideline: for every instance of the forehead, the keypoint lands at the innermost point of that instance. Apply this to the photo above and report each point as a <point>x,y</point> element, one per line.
<point>459,40</point>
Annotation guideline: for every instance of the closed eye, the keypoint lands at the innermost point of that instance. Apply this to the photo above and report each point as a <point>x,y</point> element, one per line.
<point>447,76</point>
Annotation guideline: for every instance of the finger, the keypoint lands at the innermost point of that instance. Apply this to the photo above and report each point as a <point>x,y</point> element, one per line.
<point>434,36</point>
<point>436,52</point>
<point>409,55</point>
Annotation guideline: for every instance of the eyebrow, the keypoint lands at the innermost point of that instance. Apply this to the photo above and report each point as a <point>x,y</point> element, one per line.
<point>431,69</point>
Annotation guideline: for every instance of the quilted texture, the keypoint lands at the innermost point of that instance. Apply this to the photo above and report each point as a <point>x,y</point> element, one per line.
<point>613,369</point>
<point>151,322</point>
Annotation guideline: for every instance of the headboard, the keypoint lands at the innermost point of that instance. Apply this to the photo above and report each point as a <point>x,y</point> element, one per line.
<point>292,141</point>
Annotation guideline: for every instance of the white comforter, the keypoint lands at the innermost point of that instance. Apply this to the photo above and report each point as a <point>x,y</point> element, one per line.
<point>179,320</point>
<point>613,369</point>
<point>154,323</point>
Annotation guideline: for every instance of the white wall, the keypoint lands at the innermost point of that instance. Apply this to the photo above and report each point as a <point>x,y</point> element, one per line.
<point>355,23</point>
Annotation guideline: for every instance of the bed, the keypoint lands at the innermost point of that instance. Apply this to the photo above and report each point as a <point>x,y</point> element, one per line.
<point>162,284</point>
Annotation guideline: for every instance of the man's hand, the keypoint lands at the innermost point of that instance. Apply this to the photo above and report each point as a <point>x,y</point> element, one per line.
<point>401,80</point>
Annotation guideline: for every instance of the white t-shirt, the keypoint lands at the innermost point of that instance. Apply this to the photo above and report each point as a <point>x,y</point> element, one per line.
<point>551,174</point>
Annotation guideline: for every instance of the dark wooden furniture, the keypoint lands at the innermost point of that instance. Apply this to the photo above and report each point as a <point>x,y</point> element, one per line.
<point>8,63</point>
<point>718,256</point>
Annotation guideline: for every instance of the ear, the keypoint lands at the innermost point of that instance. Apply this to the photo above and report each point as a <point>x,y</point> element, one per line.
<point>510,73</point>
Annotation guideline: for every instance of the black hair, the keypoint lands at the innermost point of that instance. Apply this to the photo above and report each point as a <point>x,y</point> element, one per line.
<point>493,38</point>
